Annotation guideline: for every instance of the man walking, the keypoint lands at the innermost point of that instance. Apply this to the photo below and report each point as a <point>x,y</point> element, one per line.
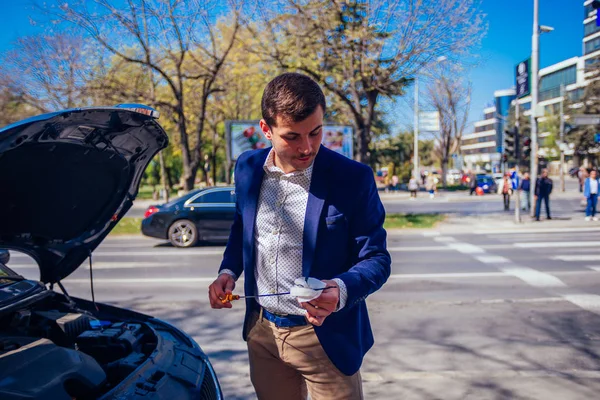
<point>472,183</point>
<point>303,211</point>
<point>590,192</point>
<point>543,188</point>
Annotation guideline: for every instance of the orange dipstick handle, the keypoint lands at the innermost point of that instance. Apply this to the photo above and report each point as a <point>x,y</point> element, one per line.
<point>230,297</point>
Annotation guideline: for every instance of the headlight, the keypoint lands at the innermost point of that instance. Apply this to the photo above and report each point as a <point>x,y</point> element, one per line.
<point>486,187</point>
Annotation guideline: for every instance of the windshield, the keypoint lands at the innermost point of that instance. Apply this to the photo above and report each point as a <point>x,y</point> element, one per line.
<point>486,180</point>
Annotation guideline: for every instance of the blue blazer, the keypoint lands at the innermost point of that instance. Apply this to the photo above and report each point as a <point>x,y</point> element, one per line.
<point>343,238</point>
<point>586,187</point>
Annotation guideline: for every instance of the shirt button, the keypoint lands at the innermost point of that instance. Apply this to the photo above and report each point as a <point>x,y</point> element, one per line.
<point>275,231</point>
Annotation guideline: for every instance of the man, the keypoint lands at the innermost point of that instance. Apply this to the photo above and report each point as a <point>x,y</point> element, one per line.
<point>472,183</point>
<point>525,187</point>
<point>543,188</point>
<point>591,194</point>
<point>303,211</point>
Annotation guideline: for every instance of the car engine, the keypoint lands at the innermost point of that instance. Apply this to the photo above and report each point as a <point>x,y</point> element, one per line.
<point>56,353</point>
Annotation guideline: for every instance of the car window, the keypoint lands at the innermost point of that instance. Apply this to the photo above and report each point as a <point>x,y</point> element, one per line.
<point>221,196</point>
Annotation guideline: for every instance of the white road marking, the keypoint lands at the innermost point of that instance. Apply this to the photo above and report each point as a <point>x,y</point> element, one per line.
<point>150,253</point>
<point>577,257</point>
<point>444,239</point>
<point>492,259</point>
<point>431,234</point>
<point>466,248</point>
<point>532,230</point>
<point>486,374</point>
<point>450,275</point>
<point>589,302</point>
<point>541,245</point>
<point>144,280</point>
<point>533,277</point>
<point>593,267</point>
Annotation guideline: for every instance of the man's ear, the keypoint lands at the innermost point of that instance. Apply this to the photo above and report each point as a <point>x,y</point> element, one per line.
<point>265,129</point>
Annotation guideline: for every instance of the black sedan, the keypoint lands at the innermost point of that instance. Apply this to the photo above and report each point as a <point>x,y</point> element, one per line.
<point>201,215</point>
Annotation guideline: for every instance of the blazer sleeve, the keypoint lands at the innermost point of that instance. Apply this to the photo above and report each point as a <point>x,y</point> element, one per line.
<point>372,262</point>
<point>233,255</point>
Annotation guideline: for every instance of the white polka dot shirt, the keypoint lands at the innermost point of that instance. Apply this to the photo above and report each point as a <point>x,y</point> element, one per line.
<point>278,237</point>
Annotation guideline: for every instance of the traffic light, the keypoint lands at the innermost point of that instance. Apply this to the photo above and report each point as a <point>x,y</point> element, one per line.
<point>526,147</point>
<point>504,158</point>
<point>511,142</point>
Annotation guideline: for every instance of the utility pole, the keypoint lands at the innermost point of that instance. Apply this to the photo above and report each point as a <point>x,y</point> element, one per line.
<point>518,151</point>
<point>535,58</point>
<point>416,132</point>
<point>562,138</point>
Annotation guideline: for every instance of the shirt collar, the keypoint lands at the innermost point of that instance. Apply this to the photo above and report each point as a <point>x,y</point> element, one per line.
<point>270,167</point>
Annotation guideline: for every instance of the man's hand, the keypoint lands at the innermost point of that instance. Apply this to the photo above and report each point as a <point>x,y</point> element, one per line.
<point>223,285</point>
<point>321,307</point>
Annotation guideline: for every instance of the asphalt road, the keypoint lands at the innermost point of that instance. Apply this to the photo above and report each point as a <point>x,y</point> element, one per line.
<point>505,314</point>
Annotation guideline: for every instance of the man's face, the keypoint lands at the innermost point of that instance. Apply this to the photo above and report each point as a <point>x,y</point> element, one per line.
<point>544,173</point>
<point>593,174</point>
<point>526,176</point>
<point>296,144</point>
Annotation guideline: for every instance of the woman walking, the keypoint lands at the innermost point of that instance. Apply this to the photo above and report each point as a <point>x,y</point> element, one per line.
<point>505,188</point>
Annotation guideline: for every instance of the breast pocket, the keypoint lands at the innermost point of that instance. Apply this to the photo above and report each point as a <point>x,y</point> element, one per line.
<point>335,222</point>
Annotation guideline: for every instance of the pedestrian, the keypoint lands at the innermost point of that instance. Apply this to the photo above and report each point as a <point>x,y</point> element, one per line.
<point>303,210</point>
<point>413,187</point>
<point>395,186</point>
<point>525,189</point>
<point>543,188</point>
<point>591,194</point>
<point>472,183</point>
<point>582,175</point>
<point>505,188</point>
<point>431,185</point>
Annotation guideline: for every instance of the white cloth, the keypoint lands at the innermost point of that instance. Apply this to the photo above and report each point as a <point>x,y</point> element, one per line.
<point>593,186</point>
<point>279,237</point>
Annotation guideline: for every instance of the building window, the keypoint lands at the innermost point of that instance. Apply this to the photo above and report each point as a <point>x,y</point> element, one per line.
<point>592,45</point>
<point>588,11</point>
<point>577,94</point>
<point>590,28</point>
<point>489,115</point>
<point>484,128</point>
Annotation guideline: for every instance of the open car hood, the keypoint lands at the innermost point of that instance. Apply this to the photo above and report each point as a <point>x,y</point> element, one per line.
<point>68,177</point>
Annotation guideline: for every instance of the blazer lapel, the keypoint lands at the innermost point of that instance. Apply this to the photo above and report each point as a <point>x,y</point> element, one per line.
<point>314,207</point>
<point>250,206</point>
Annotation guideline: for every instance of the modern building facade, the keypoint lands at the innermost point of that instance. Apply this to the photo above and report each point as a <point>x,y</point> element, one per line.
<point>482,149</point>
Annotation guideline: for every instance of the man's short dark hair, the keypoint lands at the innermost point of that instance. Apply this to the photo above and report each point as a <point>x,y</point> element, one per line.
<point>292,97</point>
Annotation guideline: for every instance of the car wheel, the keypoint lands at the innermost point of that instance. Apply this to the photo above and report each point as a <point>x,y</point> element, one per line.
<point>183,233</point>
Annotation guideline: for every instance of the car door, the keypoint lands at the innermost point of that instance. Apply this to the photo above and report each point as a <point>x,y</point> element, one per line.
<point>213,212</point>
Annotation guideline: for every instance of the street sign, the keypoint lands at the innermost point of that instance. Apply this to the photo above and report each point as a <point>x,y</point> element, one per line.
<point>429,121</point>
<point>586,119</point>
<point>522,79</point>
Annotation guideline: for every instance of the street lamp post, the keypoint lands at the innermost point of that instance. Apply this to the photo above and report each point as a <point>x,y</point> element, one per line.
<point>416,132</point>
<point>535,54</point>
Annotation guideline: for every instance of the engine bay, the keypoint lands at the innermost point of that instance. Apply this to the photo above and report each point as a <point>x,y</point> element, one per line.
<point>54,350</point>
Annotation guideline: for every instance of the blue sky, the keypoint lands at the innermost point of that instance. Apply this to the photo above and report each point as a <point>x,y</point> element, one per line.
<point>508,41</point>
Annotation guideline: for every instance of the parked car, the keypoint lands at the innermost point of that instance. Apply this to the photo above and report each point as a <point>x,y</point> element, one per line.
<point>201,215</point>
<point>73,175</point>
<point>487,183</point>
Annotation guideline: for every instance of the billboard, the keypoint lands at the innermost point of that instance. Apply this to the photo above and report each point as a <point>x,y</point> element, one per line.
<point>246,135</point>
<point>429,121</point>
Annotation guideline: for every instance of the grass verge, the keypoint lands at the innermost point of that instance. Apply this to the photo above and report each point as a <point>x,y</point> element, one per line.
<point>128,226</point>
<point>132,226</point>
<point>423,221</point>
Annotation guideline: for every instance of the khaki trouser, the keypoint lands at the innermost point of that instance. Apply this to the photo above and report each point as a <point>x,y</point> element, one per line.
<point>286,363</point>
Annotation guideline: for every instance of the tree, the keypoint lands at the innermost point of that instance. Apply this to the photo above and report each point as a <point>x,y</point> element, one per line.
<point>49,72</point>
<point>398,149</point>
<point>178,42</point>
<point>360,50</point>
<point>450,97</point>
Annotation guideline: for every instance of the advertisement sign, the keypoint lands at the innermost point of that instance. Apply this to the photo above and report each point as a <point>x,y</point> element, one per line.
<point>522,78</point>
<point>429,121</point>
<point>339,138</point>
<point>246,135</point>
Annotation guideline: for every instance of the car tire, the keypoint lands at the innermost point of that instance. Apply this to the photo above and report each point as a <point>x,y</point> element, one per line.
<point>183,233</point>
